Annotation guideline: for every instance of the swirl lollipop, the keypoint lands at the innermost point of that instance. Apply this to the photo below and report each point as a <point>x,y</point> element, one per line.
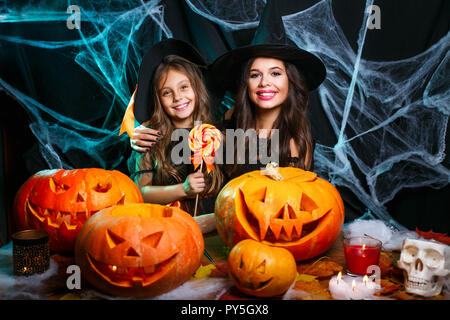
<point>204,140</point>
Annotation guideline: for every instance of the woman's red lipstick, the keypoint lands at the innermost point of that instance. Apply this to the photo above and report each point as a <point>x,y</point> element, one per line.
<point>266,94</point>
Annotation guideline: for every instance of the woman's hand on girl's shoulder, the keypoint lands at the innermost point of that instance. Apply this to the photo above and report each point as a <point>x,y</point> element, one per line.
<point>144,138</point>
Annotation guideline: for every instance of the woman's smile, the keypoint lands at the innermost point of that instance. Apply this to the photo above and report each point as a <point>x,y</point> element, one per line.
<point>266,94</point>
<point>268,84</point>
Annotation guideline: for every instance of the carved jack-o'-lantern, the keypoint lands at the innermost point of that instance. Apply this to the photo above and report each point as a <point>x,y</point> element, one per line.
<point>60,201</point>
<point>139,250</point>
<point>261,270</point>
<point>298,211</point>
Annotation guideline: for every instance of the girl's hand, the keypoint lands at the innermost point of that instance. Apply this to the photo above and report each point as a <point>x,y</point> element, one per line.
<point>194,183</point>
<point>144,138</point>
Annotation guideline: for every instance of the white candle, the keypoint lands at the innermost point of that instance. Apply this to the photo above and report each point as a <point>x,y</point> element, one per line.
<point>351,288</point>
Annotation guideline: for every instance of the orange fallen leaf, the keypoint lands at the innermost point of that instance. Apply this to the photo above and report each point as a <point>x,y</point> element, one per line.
<point>388,264</point>
<point>320,268</point>
<point>441,237</point>
<point>388,287</point>
<point>314,289</point>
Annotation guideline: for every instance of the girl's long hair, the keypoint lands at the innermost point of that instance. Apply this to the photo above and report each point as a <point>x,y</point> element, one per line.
<point>292,121</point>
<point>160,120</point>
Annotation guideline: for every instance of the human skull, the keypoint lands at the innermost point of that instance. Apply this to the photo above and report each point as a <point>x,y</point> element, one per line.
<point>426,264</point>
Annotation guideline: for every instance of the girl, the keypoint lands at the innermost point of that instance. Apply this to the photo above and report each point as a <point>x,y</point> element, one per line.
<point>173,98</point>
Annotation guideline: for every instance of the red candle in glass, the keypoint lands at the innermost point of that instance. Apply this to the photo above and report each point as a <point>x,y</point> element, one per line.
<point>360,253</point>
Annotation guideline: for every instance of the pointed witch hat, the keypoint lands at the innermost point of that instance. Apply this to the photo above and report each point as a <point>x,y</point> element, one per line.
<point>269,40</point>
<point>140,105</point>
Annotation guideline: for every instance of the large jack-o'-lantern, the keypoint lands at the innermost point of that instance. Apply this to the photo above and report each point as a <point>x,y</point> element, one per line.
<point>60,201</point>
<point>290,208</point>
<point>139,250</point>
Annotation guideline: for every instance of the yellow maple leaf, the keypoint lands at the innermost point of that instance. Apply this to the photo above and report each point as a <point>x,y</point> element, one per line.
<point>203,271</point>
<point>305,277</point>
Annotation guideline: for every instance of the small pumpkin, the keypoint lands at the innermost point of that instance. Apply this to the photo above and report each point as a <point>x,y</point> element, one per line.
<point>60,201</point>
<point>294,209</point>
<point>261,270</point>
<point>139,250</point>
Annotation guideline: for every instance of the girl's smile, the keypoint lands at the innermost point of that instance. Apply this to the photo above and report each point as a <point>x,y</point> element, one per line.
<point>177,97</point>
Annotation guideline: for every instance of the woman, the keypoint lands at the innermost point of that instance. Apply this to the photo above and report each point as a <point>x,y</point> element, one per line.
<point>272,95</point>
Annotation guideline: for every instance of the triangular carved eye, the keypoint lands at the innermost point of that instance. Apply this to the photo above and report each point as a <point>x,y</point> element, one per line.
<point>241,264</point>
<point>153,239</point>
<point>260,194</point>
<point>262,267</point>
<point>307,204</point>
<point>102,187</point>
<point>57,187</point>
<point>113,239</point>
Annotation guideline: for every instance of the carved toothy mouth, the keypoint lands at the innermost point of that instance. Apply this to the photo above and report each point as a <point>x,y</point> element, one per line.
<point>56,218</point>
<point>250,285</point>
<point>131,276</point>
<point>286,229</point>
<point>286,225</point>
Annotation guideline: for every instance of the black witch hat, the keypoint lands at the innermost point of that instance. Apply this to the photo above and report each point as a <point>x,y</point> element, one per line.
<point>270,40</point>
<point>143,108</point>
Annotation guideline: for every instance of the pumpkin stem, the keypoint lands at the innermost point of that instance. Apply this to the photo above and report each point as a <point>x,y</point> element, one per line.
<point>272,171</point>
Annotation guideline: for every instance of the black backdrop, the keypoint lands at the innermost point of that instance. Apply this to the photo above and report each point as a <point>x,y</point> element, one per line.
<point>408,28</point>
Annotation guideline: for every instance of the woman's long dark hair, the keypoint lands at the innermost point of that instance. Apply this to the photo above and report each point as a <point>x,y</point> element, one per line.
<point>292,122</point>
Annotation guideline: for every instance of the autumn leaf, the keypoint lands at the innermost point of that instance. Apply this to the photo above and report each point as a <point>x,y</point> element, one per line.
<point>203,271</point>
<point>441,237</point>
<point>313,288</point>
<point>388,287</point>
<point>304,277</point>
<point>388,264</point>
<point>320,268</point>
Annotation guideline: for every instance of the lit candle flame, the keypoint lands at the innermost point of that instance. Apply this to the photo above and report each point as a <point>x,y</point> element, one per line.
<point>24,268</point>
<point>365,280</point>
<point>362,251</point>
<point>114,268</point>
<point>353,285</point>
<point>339,276</point>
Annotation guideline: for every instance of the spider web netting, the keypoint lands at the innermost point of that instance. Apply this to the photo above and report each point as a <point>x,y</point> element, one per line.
<point>390,118</point>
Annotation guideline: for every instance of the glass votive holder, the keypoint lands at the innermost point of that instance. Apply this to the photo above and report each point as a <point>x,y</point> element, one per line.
<point>360,253</point>
<point>31,252</point>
